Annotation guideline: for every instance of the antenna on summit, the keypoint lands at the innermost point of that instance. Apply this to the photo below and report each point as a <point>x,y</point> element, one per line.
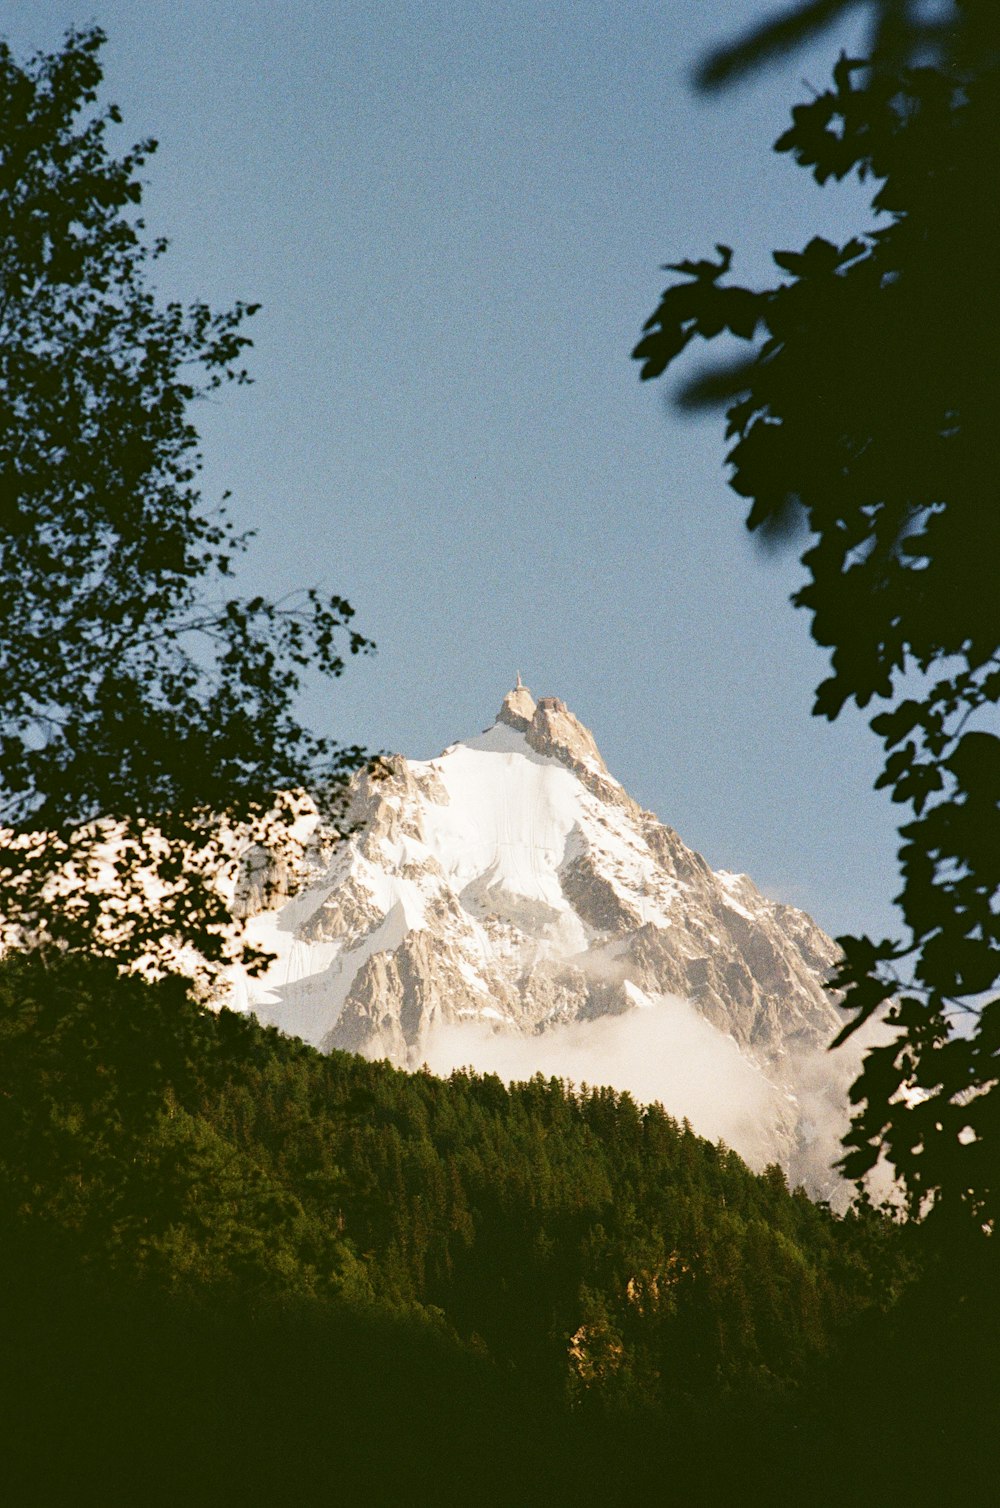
<point>520,683</point>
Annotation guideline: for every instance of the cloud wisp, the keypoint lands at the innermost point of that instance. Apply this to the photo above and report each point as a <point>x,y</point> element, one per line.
<point>666,1052</point>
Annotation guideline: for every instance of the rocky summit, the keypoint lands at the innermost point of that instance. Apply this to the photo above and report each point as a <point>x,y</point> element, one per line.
<point>513,884</point>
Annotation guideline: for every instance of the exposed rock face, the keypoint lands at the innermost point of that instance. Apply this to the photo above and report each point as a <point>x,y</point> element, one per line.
<point>513,881</point>
<point>550,728</point>
<point>518,708</point>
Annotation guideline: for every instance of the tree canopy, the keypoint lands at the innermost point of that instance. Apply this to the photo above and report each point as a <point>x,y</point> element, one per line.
<point>866,409</point>
<point>373,1265</point>
<point>142,701</point>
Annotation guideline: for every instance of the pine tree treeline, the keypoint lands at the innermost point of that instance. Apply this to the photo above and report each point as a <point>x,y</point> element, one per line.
<point>211,1232</point>
<point>158,1142</point>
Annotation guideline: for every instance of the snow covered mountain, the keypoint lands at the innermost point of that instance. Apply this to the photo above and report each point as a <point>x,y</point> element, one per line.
<point>508,904</point>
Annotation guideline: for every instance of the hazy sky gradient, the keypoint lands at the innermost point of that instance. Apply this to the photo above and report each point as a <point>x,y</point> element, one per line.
<point>454,216</point>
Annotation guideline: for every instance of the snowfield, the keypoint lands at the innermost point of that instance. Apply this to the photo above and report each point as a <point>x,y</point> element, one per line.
<point>508,906</point>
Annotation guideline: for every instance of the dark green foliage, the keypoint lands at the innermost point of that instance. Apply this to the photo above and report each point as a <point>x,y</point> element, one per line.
<point>866,409</point>
<point>899,32</point>
<point>164,1143</point>
<point>139,698</point>
<point>235,1271</point>
<point>189,1183</point>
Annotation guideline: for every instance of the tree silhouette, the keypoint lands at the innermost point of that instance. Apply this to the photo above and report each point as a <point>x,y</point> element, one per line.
<point>141,702</point>
<point>866,408</point>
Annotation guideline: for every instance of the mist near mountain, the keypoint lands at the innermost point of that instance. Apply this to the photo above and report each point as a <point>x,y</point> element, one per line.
<point>509,906</point>
<point>669,1054</point>
<point>665,1052</point>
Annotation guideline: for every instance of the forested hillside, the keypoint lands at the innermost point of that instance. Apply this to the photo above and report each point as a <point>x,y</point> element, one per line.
<point>237,1269</point>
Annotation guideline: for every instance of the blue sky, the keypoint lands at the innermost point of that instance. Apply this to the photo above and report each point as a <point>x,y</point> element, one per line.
<point>454,215</point>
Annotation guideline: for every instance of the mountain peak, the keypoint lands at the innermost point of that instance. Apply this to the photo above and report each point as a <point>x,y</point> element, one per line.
<point>550,728</point>
<point>518,707</point>
<point>554,730</point>
<point>512,883</point>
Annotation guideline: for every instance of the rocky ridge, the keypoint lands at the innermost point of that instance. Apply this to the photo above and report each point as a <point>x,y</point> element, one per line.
<point>513,882</point>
